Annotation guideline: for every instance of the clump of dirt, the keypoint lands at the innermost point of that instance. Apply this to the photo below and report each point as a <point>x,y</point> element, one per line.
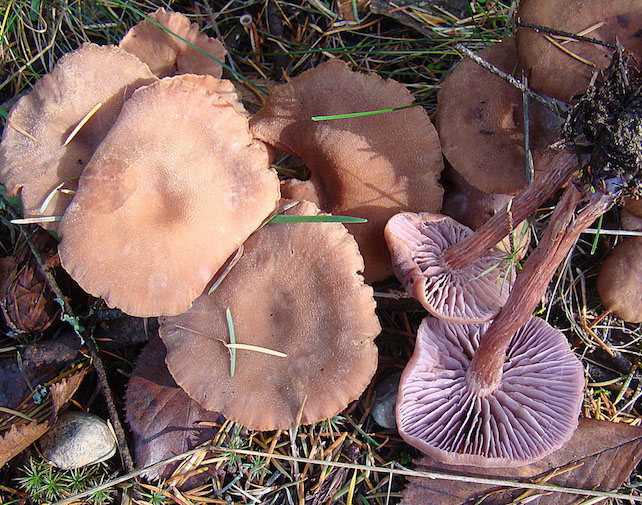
<point>609,117</point>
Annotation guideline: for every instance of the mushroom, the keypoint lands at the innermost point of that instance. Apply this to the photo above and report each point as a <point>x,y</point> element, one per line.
<point>174,188</point>
<point>483,385</point>
<point>631,216</point>
<point>532,413</point>
<point>371,166</point>
<point>43,152</point>
<point>175,47</point>
<point>480,121</point>
<point>308,302</point>
<point>417,242</point>
<point>473,208</point>
<point>562,66</point>
<point>620,281</point>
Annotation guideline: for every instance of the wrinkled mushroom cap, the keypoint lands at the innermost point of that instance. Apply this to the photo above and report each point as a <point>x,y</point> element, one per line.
<point>165,52</point>
<point>480,120</point>
<point>295,290</point>
<point>34,165</point>
<point>371,166</point>
<point>176,186</point>
<point>532,413</point>
<point>416,243</point>
<point>552,69</point>
<point>620,281</point>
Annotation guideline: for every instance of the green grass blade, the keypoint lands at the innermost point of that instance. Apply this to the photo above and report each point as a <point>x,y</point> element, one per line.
<point>597,235</point>
<point>361,114</point>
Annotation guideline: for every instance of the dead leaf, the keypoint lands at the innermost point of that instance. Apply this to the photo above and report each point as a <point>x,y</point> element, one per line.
<point>165,421</point>
<point>21,435</point>
<point>61,392</point>
<point>18,438</point>
<point>601,455</point>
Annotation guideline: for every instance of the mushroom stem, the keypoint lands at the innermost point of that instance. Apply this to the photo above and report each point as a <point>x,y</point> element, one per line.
<point>485,372</point>
<point>469,250</point>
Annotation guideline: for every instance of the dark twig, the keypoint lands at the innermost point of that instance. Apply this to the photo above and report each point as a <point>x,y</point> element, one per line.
<point>558,107</point>
<point>562,33</point>
<point>69,316</point>
<point>275,27</point>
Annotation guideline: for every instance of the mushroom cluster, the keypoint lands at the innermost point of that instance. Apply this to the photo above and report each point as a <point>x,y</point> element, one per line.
<point>458,399</point>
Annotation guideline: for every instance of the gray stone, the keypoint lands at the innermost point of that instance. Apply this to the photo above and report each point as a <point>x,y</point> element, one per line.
<point>383,409</point>
<point>78,439</point>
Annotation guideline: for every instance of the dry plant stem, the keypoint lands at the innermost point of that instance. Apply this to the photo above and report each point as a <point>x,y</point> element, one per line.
<point>71,318</point>
<point>469,250</point>
<point>485,372</point>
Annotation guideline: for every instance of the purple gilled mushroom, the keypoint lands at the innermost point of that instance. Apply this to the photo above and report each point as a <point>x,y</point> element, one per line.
<point>532,413</point>
<point>417,243</point>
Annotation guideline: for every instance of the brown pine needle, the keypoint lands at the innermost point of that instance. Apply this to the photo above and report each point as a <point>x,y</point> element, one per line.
<point>570,53</point>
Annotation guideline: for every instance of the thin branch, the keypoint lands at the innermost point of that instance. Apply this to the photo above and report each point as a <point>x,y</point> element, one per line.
<point>70,317</point>
<point>557,106</point>
<point>366,468</point>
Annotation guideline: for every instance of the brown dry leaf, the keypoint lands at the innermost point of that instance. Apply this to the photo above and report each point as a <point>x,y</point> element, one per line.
<point>62,391</point>
<point>21,436</point>
<point>18,438</point>
<point>601,455</point>
<point>165,421</point>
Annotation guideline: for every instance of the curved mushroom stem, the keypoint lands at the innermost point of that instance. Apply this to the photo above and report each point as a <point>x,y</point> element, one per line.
<point>469,250</point>
<point>485,372</point>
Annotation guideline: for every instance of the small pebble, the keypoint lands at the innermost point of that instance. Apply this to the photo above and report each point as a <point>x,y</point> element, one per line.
<point>383,410</point>
<point>76,440</point>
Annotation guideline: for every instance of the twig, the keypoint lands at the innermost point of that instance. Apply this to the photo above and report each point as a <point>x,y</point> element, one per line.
<point>530,170</point>
<point>69,316</point>
<point>554,105</point>
<point>515,484</point>
<point>562,33</point>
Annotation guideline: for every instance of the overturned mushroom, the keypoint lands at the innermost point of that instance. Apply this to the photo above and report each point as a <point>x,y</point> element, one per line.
<point>370,166</point>
<point>417,242</point>
<point>532,413</point>
<point>178,47</point>
<point>43,150</point>
<point>176,186</point>
<point>306,301</point>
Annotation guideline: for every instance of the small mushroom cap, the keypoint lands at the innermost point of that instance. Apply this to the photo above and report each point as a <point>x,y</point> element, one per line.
<point>563,69</point>
<point>480,120</point>
<point>416,243</point>
<point>632,215</point>
<point>307,301</point>
<point>34,165</point>
<point>620,281</point>
<point>295,189</point>
<point>370,166</point>
<point>165,52</point>
<point>173,190</point>
<point>532,413</point>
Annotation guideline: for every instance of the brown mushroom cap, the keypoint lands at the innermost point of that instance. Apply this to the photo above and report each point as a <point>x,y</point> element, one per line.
<point>174,188</point>
<point>480,121</point>
<point>620,281</point>
<point>552,69</point>
<point>306,300</point>
<point>416,243</point>
<point>371,166</point>
<point>532,413</point>
<point>165,52</point>
<point>632,215</point>
<point>36,163</point>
